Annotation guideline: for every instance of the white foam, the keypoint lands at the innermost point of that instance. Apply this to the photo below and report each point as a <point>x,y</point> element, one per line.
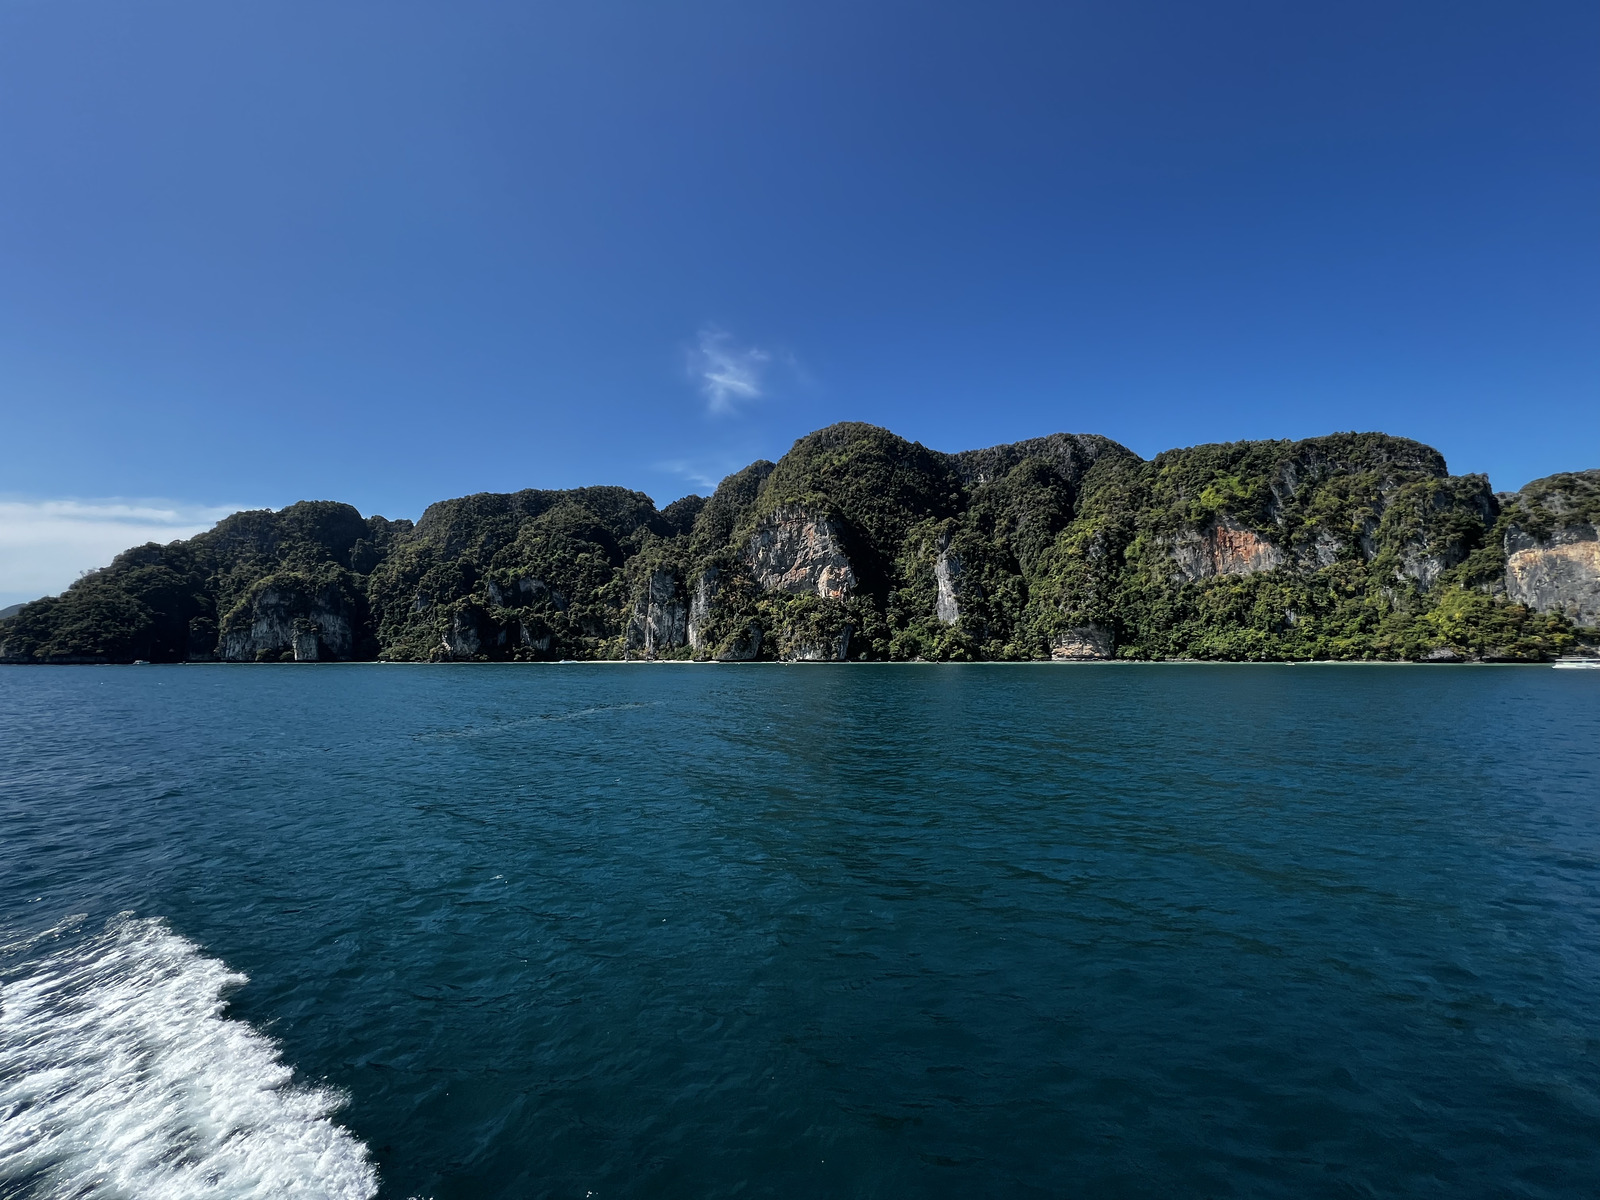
<point>120,1077</point>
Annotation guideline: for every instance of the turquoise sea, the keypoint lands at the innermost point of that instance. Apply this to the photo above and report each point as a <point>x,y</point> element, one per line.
<point>598,931</point>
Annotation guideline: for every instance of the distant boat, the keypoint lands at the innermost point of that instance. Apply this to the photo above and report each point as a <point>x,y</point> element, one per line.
<point>1573,663</point>
<point>141,662</point>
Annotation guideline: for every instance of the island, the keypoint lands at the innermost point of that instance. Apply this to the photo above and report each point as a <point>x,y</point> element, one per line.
<point>858,545</point>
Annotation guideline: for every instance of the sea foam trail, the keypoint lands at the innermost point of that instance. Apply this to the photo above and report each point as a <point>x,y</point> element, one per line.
<point>120,1077</point>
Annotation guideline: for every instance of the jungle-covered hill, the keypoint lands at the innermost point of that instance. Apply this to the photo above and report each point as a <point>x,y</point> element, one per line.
<point>859,545</point>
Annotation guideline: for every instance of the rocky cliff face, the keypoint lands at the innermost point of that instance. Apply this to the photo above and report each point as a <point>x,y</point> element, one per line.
<point>660,618</point>
<point>744,645</point>
<point>723,636</point>
<point>800,552</point>
<point>1560,574</point>
<point>700,600</point>
<point>1084,643</point>
<point>1552,545</point>
<point>287,618</point>
<point>1224,547</point>
<point>835,649</point>
<point>947,571</point>
<point>472,633</point>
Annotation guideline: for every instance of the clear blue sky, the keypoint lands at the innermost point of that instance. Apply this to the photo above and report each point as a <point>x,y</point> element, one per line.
<point>387,253</point>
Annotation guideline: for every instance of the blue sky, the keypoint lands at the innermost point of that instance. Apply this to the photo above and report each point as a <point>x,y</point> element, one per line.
<point>387,253</point>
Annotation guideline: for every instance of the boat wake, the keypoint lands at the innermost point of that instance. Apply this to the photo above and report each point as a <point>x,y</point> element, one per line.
<point>121,1077</point>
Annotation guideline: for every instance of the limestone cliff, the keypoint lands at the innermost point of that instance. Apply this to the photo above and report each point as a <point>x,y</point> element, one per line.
<point>660,619</point>
<point>291,617</point>
<point>1082,643</point>
<point>1560,574</point>
<point>700,601</point>
<point>800,552</point>
<point>825,649</point>
<point>1552,545</point>
<point>947,581</point>
<point>1223,547</point>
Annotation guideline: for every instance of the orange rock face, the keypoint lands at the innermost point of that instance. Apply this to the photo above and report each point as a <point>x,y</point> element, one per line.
<point>1240,552</point>
<point>1225,548</point>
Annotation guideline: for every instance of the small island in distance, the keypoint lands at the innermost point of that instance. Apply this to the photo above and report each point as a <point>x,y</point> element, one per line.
<point>858,545</point>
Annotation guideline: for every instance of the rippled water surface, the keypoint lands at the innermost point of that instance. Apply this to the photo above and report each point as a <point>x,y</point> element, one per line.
<point>608,931</point>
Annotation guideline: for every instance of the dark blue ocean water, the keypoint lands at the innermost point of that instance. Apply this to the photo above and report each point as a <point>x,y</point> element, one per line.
<point>615,931</point>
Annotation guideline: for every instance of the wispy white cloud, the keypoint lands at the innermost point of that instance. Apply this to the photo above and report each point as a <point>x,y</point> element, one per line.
<point>696,473</point>
<point>46,544</point>
<point>727,372</point>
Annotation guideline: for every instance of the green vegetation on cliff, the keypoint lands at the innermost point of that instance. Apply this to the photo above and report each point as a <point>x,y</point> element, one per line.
<point>860,545</point>
<point>174,603</point>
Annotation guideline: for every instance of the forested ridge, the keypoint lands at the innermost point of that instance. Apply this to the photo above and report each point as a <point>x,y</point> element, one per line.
<point>859,545</point>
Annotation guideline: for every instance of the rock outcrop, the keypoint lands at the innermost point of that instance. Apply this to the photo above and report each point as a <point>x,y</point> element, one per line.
<point>286,618</point>
<point>744,645</point>
<point>660,618</point>
<point>733,639</point>
<point>474,634</point>
<point>469,631</point>
<point>1224,547</point>
<point>1083,643</point>
<point>702,596</point>
<point>947,571</point>
<point>820,649</point>
<point>1559,573</point>
<point>1552,547</point>
<point>800,552</point>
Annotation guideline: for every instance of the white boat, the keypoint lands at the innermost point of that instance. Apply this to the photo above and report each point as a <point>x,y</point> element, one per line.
<point>1573,663</point>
